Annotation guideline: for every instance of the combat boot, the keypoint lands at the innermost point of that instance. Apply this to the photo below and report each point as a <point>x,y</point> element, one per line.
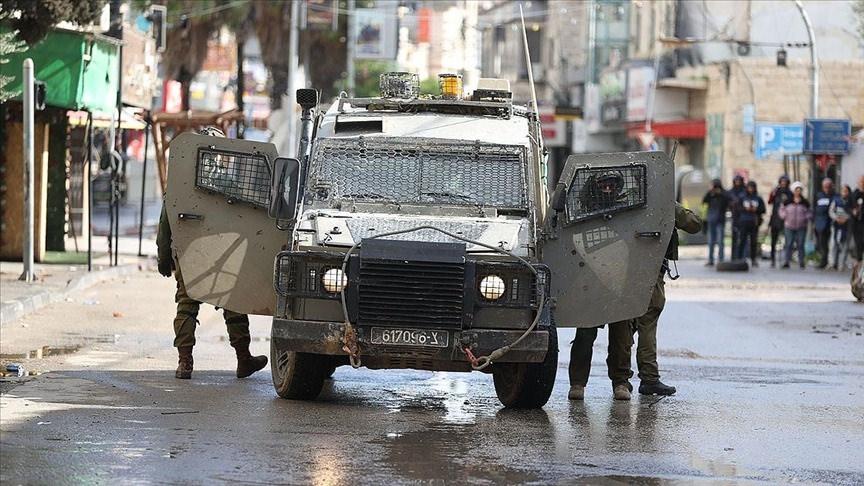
<point>184,364</point>
<point>246,363</point>
<point>577,392</point>
<point>621,392</point>
<point>656,388</point>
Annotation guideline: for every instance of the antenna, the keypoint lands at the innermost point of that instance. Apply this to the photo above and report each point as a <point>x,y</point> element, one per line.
<point>528,62</point>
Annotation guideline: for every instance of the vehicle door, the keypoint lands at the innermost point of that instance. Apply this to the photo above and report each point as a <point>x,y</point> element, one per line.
<point>613,218</point>
<point>223,239</point>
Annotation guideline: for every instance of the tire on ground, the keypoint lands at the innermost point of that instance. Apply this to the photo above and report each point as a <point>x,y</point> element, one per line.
<point>733,266</point>
<point>527,385</point>
<point>297,376</point>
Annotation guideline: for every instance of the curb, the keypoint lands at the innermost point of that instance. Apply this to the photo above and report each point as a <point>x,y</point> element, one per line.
<point>14,310</point>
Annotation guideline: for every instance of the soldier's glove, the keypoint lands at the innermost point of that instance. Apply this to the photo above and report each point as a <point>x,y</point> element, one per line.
<point>164,268</point>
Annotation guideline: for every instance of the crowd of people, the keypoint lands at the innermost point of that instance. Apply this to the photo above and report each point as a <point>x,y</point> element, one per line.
<point>833,217</point>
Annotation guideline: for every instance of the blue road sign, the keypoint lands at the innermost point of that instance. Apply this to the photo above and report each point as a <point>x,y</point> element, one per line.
<point>773,140</point>
<point>826,136</point>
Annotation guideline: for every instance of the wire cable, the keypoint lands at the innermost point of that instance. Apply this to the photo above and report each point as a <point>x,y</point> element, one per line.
<point>477,363</point>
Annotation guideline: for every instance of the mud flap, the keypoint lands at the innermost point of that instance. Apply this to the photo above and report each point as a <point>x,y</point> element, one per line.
<point>217,201</point>
<point>607,244</point>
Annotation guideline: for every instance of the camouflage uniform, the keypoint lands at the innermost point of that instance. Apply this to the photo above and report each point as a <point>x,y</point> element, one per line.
<point>646,324</point>
<point>187,308</point>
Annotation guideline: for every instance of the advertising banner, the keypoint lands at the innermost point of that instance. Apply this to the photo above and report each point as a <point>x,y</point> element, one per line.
<point>375,33</point>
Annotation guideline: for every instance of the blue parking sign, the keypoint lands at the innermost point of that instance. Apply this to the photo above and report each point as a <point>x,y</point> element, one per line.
<point>773,140</point>
<point>826,136</point>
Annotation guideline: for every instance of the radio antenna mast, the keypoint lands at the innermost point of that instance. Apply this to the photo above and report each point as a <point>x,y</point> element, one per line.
<point>528,61</point>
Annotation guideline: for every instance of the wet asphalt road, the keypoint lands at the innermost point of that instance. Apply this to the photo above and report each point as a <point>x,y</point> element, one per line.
<point>769,380</point>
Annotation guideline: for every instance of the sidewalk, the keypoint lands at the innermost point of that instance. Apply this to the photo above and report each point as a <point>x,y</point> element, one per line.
<point>55,281</point>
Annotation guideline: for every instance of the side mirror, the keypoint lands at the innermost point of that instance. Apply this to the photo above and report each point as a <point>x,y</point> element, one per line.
<point>558,201</point>
<point>284,188</point>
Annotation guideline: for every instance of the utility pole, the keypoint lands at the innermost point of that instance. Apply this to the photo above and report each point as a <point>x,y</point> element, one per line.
<point>352,41</point>
<point>29,170</point>
<point>293,66</point>
<point>814,62</point>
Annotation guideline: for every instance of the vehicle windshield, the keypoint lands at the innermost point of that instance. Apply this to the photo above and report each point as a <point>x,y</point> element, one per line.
<point>420,171</point>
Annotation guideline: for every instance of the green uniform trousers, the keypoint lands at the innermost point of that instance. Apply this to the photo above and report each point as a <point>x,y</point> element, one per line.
<point>187,319</point>
<point>646,326</point>
<point>617,358</point>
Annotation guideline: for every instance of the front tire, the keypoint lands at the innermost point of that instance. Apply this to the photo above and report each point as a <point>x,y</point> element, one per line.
<point>297,376</point>
<point>527,385</point>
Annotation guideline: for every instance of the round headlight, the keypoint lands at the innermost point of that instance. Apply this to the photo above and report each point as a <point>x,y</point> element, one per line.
<point>492,287</point>
<point>334,280</point>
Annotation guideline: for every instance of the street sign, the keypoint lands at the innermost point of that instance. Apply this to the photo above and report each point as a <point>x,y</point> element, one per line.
<point>826,136</point>
<point>773,140</point>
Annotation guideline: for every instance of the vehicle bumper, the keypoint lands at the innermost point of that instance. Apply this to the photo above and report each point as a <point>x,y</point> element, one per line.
<point>320,337</point>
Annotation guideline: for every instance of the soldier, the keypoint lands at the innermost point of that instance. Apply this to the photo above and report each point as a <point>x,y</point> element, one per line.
<point>646,324</point>
<point>187,311</point>
<point>600,192</point>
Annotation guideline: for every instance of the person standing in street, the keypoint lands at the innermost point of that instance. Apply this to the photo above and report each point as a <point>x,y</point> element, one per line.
<point>735,195</point>
<point>778,197</point>
<point>602,192</point>
<point>717,202</point>
<point>795,215</point>
<point>751,209</point>
<point>839,212</point>
<point>187,315</point>
<point>187,308</point>
<point>857,221</point>
<point>822,220</point>
<point>646,324</point>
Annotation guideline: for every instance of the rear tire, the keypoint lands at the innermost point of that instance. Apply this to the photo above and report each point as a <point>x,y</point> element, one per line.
<point>527,385</point>
<point>297,376</point>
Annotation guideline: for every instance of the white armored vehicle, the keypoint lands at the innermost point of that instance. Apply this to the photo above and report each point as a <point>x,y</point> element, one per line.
<point>418,233</point>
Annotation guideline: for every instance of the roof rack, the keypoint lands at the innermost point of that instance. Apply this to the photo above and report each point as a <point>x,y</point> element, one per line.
<point>501,109</point>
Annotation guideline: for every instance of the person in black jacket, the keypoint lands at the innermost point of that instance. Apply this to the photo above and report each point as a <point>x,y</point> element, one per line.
<point>751,208</point>
<point>778,197</point>
<point>735,195</point>
<point>717,202</point>
<point>857,223</point>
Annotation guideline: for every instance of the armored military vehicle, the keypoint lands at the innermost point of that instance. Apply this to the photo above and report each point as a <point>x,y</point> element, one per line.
<point>418,233</point>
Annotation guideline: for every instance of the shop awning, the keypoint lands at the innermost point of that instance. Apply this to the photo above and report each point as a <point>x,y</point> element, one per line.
<point>681,129</point>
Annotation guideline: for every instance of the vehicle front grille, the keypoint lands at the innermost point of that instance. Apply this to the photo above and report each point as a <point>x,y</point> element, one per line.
<point>411,293</point>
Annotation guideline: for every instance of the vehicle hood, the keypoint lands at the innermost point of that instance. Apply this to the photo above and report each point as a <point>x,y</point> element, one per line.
<point>346,229</point>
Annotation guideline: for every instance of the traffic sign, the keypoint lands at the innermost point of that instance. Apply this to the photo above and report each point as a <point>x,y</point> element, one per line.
<point>773,140</point>
<point>826,136</point>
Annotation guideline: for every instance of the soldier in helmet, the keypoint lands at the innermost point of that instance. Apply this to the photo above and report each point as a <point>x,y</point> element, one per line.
<point>600,192</point>
<point>187,309</point>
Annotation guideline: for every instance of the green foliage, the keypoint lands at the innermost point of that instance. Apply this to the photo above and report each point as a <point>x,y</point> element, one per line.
<point>367,73</point>
<point>429,86</point>
<point>36,17</point>
<point>9,44</point>
<point>858,8</point>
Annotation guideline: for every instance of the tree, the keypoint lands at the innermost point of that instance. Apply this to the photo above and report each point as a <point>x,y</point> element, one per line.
<point>36,17</point>
<point>9,44</point>
<point>858,8</point>
<point>323,52</point>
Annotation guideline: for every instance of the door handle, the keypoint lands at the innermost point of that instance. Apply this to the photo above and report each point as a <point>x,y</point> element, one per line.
<point>190,216</point>
<point>648,234</point>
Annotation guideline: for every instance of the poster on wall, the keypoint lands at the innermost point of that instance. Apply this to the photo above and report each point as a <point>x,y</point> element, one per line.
<point>639,81</point>
<point>375,33</point>
<point>714,145</point>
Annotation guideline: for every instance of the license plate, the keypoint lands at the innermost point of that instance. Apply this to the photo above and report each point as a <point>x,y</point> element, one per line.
<point>410,337</point>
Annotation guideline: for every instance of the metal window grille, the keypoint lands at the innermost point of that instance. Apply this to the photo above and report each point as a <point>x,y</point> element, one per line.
<point>421,171</point>
<point>522,288</point>
<point>239,176</point>
<point>598,191</point>
<point>300,274</point>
